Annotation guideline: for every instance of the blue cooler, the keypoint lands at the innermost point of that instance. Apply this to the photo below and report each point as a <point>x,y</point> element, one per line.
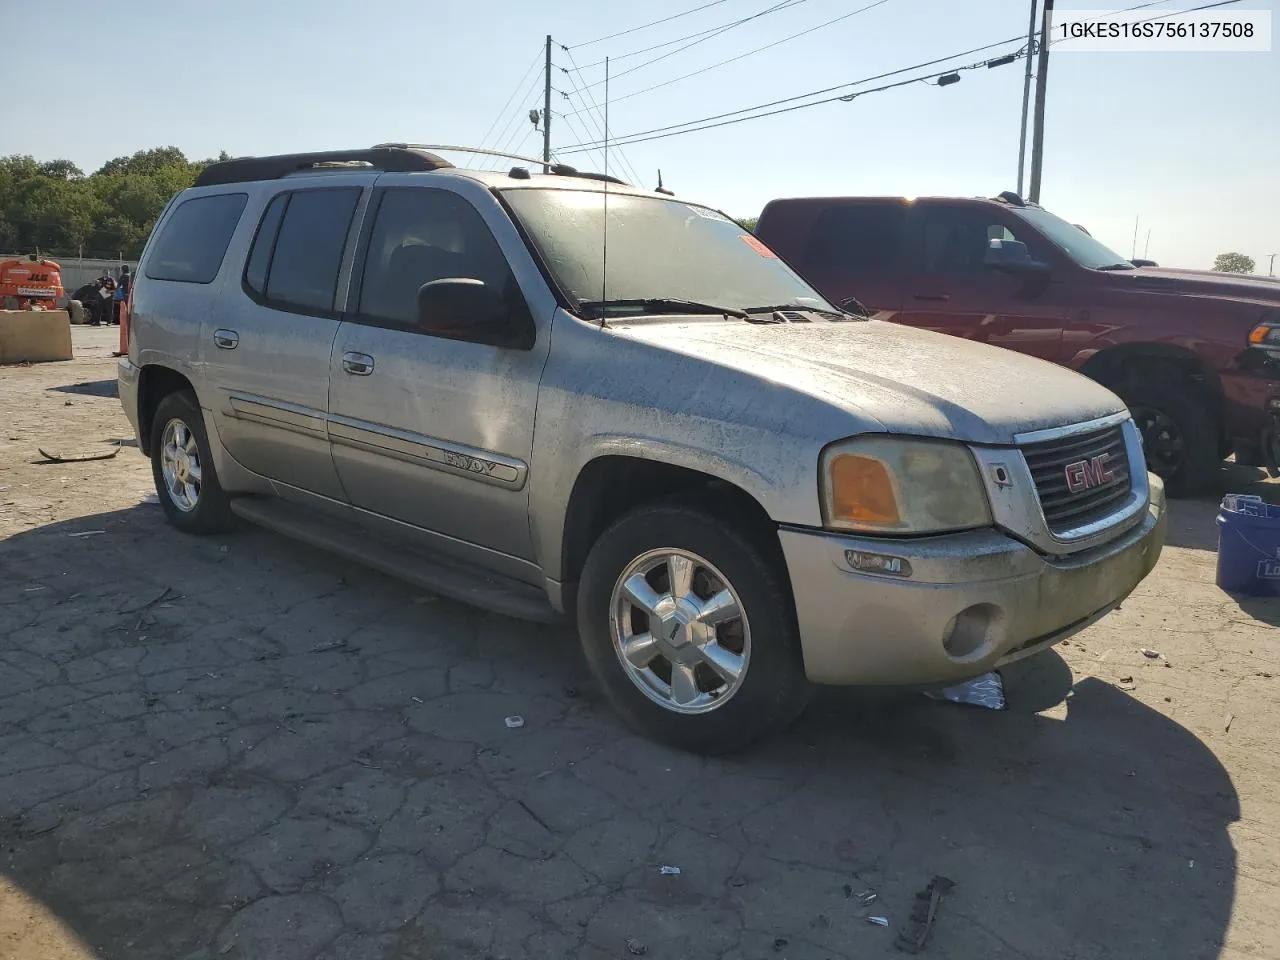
<point>1249,546</point>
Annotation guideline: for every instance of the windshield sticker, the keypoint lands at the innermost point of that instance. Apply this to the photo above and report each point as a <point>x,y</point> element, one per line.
<point>755,244</point>
<point>706,214</point>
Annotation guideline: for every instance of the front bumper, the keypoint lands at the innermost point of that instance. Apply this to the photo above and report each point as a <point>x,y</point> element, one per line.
<point>971,601</point>
<point>127,382</point>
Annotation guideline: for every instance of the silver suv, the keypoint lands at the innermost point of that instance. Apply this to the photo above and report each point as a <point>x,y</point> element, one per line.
<point>560,397</point>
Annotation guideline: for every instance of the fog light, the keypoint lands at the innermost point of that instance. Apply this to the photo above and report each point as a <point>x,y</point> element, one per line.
<point>968,635</point>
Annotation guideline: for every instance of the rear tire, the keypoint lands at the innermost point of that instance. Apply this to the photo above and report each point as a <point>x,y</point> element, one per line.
<point>681,695</point>
<point>1180,437</point>
<point>182,466</point>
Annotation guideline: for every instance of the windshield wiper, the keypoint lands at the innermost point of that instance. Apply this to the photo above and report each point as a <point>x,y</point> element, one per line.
<point>1123,265</point>
<point>665,305</point>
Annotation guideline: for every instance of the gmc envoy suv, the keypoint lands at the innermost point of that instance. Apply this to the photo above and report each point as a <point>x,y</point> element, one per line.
<point>557,396</point>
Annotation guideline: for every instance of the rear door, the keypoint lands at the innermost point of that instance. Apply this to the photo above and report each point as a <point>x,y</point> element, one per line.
<point>950,289</point>
<point>267,345</point>
<point>436,431</point>
<point>855,249</point>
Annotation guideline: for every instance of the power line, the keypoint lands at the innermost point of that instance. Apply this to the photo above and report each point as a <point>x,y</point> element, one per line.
<point>815,93</point>
<point>603,133</point>
<point>656,46</point>
<point>646,26</point>
<point>507,132</point>
<point>505,136</point>
<point>782,5</point>
<point>767,46</point>
<point>510,99</point>
<point>693,126</point>
<point>798,106</point>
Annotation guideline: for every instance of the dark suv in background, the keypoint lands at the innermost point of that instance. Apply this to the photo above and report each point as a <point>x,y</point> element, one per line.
<point>1180,347</point>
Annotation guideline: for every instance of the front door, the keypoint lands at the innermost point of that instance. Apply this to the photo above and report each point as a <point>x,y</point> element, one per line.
<point>433,430</point>
<point>951,289</point>
<point>267,346</point>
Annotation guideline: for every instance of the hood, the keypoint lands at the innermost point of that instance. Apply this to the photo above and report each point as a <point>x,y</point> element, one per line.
<point>1201,283</point>
<point>901,379</point>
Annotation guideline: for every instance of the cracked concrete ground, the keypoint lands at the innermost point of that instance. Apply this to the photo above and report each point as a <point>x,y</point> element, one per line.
<point>243,748</point>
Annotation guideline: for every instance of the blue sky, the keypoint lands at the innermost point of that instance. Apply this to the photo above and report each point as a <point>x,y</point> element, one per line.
<point>1188,142</point>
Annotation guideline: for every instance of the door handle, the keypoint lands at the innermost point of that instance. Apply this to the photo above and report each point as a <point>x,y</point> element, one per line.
<point>225,339</point>
<point>357,364</point>
<point>935,297</point>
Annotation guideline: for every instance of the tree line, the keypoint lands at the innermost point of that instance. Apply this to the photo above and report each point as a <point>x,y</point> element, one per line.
<point>54,208</point>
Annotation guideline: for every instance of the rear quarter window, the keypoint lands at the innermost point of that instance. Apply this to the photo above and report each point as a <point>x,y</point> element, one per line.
<point>856,237</point>
<point>194,240</point>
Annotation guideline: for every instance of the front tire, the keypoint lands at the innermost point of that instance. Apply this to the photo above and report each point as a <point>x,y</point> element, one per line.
<point>182,466</point>
<point>688,626</point>
<point>1179,436</point>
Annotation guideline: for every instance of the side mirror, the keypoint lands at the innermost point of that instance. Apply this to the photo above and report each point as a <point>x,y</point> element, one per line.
<point>463,308</point>
<point>1012,256</point>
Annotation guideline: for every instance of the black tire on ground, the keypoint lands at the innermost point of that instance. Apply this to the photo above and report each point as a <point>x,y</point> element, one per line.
<point>76,312</point>
<point>211,511</point>
<point>774,688</point>
<point>1180,437</point>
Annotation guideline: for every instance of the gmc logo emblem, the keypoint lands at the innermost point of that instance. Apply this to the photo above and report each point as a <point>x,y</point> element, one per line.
<point>1086,474</point>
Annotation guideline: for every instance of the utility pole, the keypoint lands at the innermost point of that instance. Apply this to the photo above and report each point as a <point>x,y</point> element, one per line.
<point>1042,78</point>
<point>1026,94</point>
<point>1146,247</point>
<point>546,113</point>
<point>1271,271</point>
<point>1133,249</point>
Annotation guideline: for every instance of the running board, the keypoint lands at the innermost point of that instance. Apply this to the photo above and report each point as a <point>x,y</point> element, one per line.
<point>441,575</point>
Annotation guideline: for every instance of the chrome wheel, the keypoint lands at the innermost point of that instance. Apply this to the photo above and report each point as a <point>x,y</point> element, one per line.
<point>679,630</point>
<point>180,464</point>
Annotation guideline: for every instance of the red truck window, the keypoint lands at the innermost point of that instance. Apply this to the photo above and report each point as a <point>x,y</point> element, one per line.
<point>857,238</point>
<point>956,241</point>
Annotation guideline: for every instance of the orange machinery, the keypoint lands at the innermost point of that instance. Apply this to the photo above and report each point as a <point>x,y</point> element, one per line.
<point>36,283</point>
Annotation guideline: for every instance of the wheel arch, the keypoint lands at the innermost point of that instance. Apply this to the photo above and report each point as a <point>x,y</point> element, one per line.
<point>611,485</point>
<point>1127,362</point>
<point>155,382</point>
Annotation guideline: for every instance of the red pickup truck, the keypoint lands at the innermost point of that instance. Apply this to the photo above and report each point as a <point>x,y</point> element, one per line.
<point>1193,353</point>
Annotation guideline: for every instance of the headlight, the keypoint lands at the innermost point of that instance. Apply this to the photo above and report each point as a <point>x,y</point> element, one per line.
<point>884,484</point>
<point>1266,335</point>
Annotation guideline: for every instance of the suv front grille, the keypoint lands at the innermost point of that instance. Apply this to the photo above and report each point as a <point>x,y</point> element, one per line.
<point>1058,465</point>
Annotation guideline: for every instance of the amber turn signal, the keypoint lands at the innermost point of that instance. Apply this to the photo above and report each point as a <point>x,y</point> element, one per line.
<point>861,490</point>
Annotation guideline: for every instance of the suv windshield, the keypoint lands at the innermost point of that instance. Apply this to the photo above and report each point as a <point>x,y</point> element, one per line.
<point>1077,244</point>
<point>659,251</point>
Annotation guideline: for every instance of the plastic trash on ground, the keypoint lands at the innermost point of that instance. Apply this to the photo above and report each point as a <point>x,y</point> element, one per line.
<point>985,691</point>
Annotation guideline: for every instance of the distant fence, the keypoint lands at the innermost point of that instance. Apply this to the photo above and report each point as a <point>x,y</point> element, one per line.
<point>78,271</point>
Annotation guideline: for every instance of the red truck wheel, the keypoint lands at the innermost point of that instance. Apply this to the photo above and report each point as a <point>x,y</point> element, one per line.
<point>1179,435</point>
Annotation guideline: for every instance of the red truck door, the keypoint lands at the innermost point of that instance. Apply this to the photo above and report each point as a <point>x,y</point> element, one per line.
<point>950,288</point>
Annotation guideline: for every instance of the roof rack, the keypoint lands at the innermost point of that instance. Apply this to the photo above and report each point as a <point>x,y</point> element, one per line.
<point>558,169</point>
<point>391,158</point>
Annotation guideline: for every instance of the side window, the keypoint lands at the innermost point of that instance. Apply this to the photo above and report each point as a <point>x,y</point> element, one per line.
<point>264,241</point>
<point>956,241</point>
<point>857,238</point>
<point>194,239</point>
<point>421,235</point>
<point>300,272</point>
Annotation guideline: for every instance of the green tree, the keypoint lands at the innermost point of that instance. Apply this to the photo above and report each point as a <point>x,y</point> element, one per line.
<point>1233,263</point>
<point>749,223</point>
<point>146,161</point>
<point>53,207</point>
<point>60,170</point>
